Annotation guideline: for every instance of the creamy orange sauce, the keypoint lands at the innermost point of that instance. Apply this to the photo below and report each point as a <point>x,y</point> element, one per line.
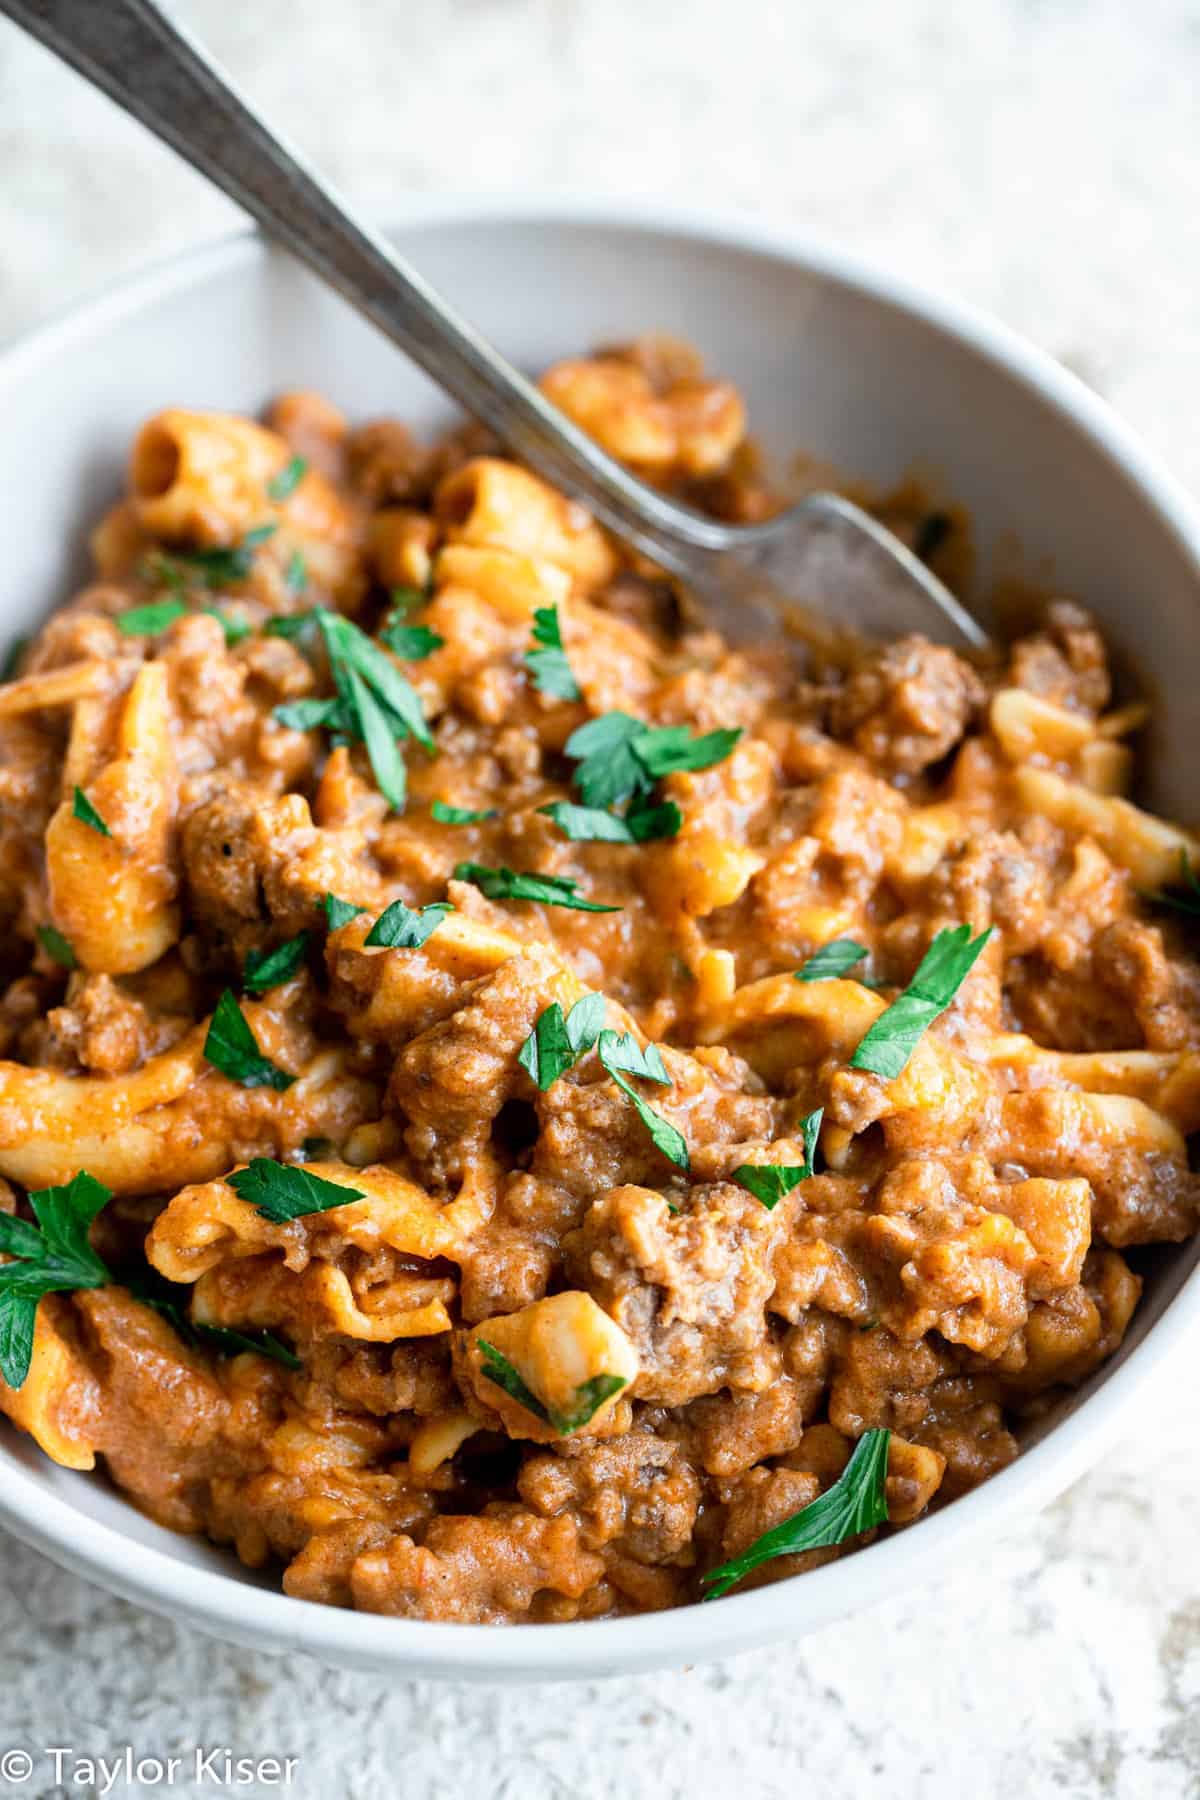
<point>696,1366</point>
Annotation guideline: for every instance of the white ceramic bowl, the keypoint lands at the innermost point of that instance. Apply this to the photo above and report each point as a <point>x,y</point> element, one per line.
<point>843,361</point>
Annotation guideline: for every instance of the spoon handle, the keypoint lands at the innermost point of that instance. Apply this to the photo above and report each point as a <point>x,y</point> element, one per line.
<point>155,71</point>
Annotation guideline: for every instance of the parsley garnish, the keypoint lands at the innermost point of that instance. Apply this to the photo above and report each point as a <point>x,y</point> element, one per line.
<point>942,970</point>
<point>228,1342</point>
<point>832,960</point>
<point>236,630</point>
<point>13,658</point>
<point>56,946</point>
<point>769,1182</point>
<point>148,621</point>
<point>296,573</point>
<point>594,824</point>
<point>856,1502</point>
<point>375,704</point>
<point>169,1300</point>
<point>507,884</point>
<point>232,1049</point>
<point>547,662</point>
<point>218,567</point>
<point>619,758</point>
<point>286,480</point>
<point>589,1395</point>
<point>54,1257</point>
<point>83,810</point>
<point>557,1041</point>
<point>461,815</point>
<point>290,625</point>
<point>266,969</point>
<point>400,927</point>
<point>620,1054</point>
<point>285,1191</point>
<point>670,749</point>
<point>412,643</point>
<point>1188,901</point>
<point>340,912</point>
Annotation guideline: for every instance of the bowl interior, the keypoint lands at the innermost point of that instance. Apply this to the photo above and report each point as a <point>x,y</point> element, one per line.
<point>832,362</point>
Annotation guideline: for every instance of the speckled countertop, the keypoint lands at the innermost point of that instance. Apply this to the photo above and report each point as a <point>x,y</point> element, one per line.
<point>1040,157</point>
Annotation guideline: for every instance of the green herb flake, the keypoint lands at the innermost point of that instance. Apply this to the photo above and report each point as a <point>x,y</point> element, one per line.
<point>620,758</point>
<point>1186,901</point>
<point>170,1301</point>
<point>86,813</point>
<point>670,749</point>
<point>608,771</point>
<point>558,1040</point>
<point>411,643</point>
<point>285,481</point>
<point>148,621</point>
<point>266,969</point>
<point>594,824</point>
<point>896,1033</point>
<point>832,960</point>
<point>769,1182</point>
<point>508,884</point>
<point>461,815</point>
<point>14,656</point>
<point>375,704</point>
<point>236,630</point>
<point>232,1049</point>
<point>227,1342</point>
<point>291,625</point>
<point>547,661</point>
<point>400,927</point>
<point>220,566</point>
<point>56,946</point>
<point>621,1055</point>
<point>379,736</point>
<point>589,1395</point>
<point>856,1502</point>
<point>296,574</point>
<point>54,1256</point>
<point>340,912</point>
<point>285,1191</point>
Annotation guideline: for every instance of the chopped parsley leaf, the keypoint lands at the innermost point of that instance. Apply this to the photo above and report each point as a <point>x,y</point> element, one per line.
<point>558,1040</point>
<point>856,1502</point>
<point>148,621</point>
<point>285,481</point>
<point>86,813</point>
<point>285,1191</point>
<point>509,884</point>
<point>400,927</point>
<point>461,815</point>
<point>620,1055</point>
<point>340,912</point>
<point>266,969</point>
<point>832,960</point>
<point>942,970</point>
<point>769,1182</point>
<point>547,661</point>
<point>589,1395</point>
<point>56,946</point>
<point>232,1049</point>
<point>53,1256</point>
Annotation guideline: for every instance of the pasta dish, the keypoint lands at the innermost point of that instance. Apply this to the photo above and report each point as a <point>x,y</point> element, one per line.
<point>513,1110</point>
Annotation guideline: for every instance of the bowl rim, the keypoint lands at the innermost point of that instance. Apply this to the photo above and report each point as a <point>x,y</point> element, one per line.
<point>233,1607</point>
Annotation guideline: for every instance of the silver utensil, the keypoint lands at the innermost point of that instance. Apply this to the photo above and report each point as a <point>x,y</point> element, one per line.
<point>825,560</point>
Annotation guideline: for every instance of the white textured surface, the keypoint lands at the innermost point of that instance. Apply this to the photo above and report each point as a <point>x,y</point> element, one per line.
<point>1040,158</point>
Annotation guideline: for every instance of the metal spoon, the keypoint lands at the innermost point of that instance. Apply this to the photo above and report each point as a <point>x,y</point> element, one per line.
<point>842,567</point>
